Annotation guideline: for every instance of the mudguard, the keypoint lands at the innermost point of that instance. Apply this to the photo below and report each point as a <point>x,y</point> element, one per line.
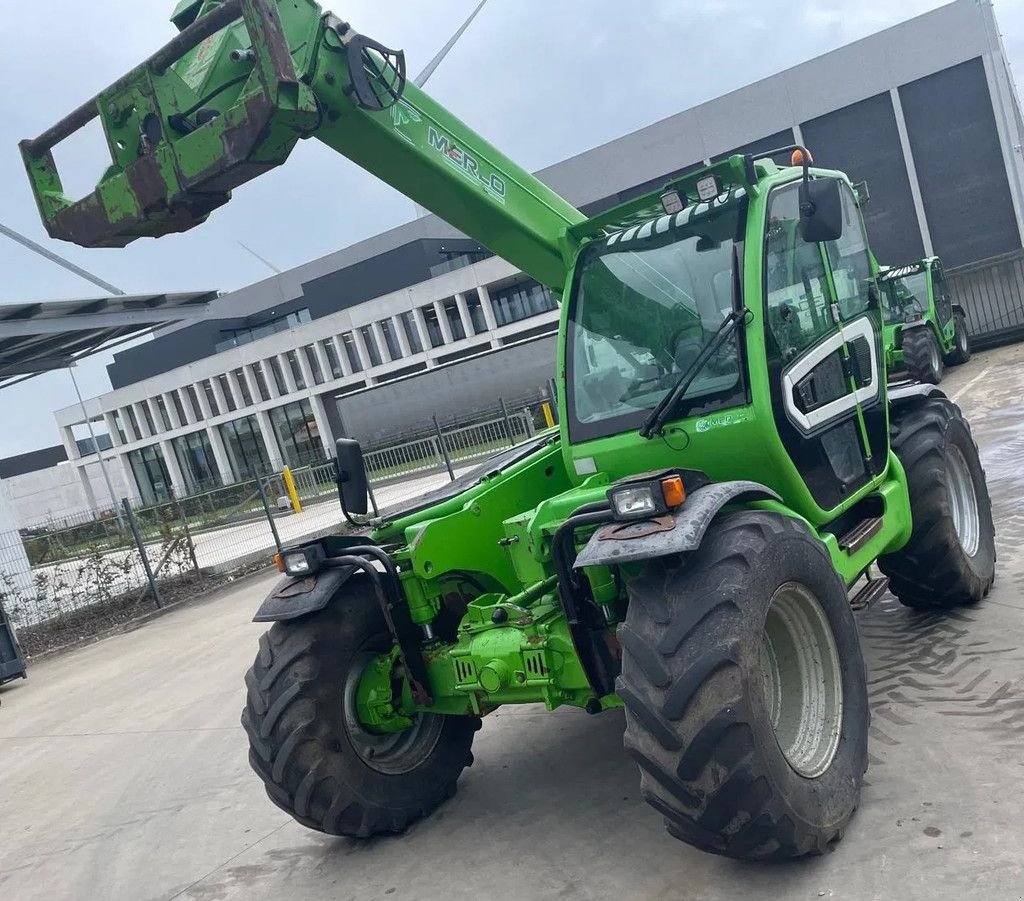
<point>908,392</point>
<point>295,597</point>
<point>682,531</point>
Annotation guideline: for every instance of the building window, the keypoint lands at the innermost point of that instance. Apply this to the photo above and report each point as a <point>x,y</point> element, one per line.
<point>293,365</point>
<point>261,381</point>
<point>195,458</point>
<point>297,434</point>
<point>455,326</point>
<point>165,418</point>
<point>434,332</point>
<point>520,302</point>
<point>147,414</point>
<point>119,425</point>
<point>278,374</point>
<point>352,352</point>
<point>332,358</point>
<point>179,407</point>
<point>314,364</point>
<point>151,475</point>
<point>476,313</point>
<point>211,398</point>
<point>412,334</point>
<point>371,345</point>
<point>229,397</point>
<point>455,259</point>
<point>244,444</point>
<point>387,329</point>
<point>193,402</point>
<point>243,387</point>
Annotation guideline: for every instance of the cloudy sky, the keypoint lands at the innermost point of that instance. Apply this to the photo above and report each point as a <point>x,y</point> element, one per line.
<point>541,79</point>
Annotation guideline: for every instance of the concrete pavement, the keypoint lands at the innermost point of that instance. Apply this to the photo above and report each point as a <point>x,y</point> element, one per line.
<point>123,771</point>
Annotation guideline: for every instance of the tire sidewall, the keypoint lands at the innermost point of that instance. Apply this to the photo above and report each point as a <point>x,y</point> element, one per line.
<point>824,801</point>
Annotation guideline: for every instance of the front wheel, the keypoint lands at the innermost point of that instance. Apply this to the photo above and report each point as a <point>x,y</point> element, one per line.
<point>745,691</point>
<point>306,742</point>
<point>922,355</point>
<point>951,556</point>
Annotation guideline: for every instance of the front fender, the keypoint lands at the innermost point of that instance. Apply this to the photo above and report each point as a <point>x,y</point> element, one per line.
<point>612,545</point>
<point>295,597</point>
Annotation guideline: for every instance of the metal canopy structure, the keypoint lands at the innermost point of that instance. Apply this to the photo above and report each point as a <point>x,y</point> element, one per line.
<point>40,337</point>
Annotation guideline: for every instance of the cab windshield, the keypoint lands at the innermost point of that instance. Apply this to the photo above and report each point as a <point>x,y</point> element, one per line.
<point>644,305</point>
<point>905,297</point>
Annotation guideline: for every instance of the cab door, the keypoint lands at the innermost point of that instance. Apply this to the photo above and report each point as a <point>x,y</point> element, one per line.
<point>823,340</point>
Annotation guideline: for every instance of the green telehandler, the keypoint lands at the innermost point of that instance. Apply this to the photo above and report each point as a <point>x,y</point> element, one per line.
<point>692,540</point>
<point>923,330</point>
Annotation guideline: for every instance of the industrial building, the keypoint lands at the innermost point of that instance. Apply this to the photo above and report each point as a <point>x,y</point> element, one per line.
<point>372,339</point>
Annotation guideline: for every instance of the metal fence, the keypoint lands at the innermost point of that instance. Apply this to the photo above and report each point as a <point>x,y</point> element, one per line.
<point>992,294</point>
<point>84,572</point>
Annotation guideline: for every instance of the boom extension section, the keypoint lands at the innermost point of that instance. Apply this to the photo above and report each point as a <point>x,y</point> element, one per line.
<point>232,94</point>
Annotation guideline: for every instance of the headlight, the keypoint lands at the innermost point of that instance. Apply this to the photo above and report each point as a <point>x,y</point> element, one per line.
<point>633,503</point>
<point>303,561</point>
<point>646,499</point>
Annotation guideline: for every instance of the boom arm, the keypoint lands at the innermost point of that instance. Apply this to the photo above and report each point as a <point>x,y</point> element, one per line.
<point>230,97</point>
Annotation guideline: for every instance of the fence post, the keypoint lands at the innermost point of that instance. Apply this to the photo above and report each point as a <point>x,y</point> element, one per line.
<point>444,450</point>
<point>133,523</point>
<point>270,515</point>
<point>188,532</point>
<point>508,422</point>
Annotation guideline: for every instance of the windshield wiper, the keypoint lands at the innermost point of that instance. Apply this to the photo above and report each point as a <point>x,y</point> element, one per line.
<point>652,425</point>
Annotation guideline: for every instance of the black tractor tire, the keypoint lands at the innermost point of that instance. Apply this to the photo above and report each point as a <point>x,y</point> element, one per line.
<point>701,714</point>
<point>951,556</point>
<point>961,352</point>
<point>922,355</point>
<point>314,763</point>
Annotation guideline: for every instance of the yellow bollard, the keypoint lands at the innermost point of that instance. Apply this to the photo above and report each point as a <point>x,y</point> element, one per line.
<point>548,418</point>
<point>289,484</point>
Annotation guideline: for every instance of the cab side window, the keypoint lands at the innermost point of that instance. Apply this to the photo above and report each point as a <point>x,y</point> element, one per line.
<point>851,262</point>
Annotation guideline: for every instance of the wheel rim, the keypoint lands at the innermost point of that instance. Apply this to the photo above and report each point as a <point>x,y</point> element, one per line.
<point>963,502</point>
<point>392,753</point>
<point>934,360</point>
<point>961,338</point>
<point>803,679</point>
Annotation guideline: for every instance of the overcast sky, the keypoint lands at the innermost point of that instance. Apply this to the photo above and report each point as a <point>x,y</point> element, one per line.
<point>541,79</point>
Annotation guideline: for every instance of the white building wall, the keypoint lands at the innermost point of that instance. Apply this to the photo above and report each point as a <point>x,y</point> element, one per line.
<point>35,498</point>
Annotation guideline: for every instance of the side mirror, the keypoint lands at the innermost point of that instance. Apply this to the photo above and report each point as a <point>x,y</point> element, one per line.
<point>821,210</point>
<point>350,475</point>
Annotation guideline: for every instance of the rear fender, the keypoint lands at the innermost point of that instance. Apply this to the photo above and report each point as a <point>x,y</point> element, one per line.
<point>295,597</point>
<point>683,531</point>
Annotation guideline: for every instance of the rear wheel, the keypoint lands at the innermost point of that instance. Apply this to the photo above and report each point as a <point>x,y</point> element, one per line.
<point>921,354</point>
<point>961,352</point>
<point>306,742</point>
<point>744,688</point>
<point>950,558</point>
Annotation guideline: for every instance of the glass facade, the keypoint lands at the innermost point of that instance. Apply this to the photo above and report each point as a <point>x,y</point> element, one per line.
<point>260,377</point>
<point>243,387</point>
<point>434,334</point>
<point>119,425</point>
<point>147,415</point>
<point>476,313</point>
<point>278,373</point>
<point>235,337</point>
<point>134,422</point>
<point>371,345</point>
<point>151,474</point>
<point>297,434</point>
<point>229,396</point>
<point>196,460</point>
<point>211,398</point>
<point>246,451</point>
<point>165,418</point>
<point>193,402</point>
<point>314,364</point>
<point>352,352</point>
<point>520,302</point>
<point>412,334</point>
<point>387,329</point>
<point>179,407</point>
<point>296,370</point>
<point>332,358</point>
<point>455,326</point>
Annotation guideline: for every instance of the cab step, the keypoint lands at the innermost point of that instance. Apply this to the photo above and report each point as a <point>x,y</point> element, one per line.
<point>860,534</point>
<point>871,591</point>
